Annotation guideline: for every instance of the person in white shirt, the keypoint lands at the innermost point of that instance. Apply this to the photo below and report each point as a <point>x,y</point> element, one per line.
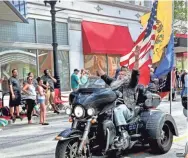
<point>30,92</point>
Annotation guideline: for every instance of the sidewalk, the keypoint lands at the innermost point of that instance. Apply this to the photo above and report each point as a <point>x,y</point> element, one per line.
<point>50,114</point>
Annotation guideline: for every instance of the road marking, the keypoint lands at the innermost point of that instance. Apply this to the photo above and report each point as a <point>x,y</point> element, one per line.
<point>180,138</point>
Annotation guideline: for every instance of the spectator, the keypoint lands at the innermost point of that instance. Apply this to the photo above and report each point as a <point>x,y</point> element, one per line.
<point>49,86</point>
<point>75,80</point>
<point>84,76</point>
<point>186,78</point>
<point>177,77</point>
<point>29,90</point>
<point>181,72</point>
<point>15,95</point>
<point>154,82</point>
<point>183,78</point>
<point>41,101</point>
<point>185,88</point>
<point>35,84</point>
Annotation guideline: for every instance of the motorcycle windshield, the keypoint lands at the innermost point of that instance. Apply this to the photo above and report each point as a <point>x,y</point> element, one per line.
<point>94,82</point>
<point>97,82</point>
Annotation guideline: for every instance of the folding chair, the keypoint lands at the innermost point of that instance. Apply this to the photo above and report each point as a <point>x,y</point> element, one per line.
<point>59,99</point>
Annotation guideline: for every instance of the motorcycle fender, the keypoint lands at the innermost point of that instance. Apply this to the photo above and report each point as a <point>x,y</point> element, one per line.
<point>68,134</point>
<point>154,120</point>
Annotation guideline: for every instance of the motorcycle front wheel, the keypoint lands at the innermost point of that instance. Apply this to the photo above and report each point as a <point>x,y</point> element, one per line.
<point>68,149</point>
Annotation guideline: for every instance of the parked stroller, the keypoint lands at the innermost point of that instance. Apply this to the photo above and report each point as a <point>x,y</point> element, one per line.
<point>5,111</point>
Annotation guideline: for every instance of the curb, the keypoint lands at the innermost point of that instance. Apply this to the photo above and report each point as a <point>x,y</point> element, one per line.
<point>51,114</point>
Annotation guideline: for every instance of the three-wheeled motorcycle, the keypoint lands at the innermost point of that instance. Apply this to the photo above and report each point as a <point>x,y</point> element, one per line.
<point>94,130</point>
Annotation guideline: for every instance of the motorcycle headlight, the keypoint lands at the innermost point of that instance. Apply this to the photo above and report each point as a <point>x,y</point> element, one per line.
<point>79,111</point>
<point>68,111</point>
<point>91,111</point>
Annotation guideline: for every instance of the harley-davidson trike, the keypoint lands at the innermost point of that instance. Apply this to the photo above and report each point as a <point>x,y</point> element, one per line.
<point>94,130</point>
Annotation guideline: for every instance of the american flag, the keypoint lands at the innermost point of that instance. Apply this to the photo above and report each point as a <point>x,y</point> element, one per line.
<point>145,41</point>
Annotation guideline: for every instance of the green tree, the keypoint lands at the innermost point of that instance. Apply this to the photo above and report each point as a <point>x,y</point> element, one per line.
<point>180,16</point>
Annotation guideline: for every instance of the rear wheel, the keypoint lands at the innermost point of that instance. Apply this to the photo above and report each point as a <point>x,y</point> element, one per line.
<point>68,149</point>
<point>163,145</point>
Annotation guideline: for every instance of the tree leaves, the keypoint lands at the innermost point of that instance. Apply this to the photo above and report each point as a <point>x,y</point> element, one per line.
<point>180,16</point>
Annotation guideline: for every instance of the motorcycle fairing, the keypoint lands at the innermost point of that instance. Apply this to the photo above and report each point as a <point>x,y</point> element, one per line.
<point>154,120</point>
<point>96,98</point>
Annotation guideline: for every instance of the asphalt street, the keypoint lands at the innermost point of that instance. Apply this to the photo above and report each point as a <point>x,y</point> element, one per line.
<point>21,140</point>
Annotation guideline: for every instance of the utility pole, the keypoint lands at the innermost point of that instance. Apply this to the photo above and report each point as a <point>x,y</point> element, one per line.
<point>54,42</point>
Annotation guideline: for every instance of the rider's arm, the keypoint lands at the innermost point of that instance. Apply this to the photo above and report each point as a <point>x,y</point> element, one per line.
<point>136,63</point>
<point>102,74</point>
<point>99,69</point>
<point>107,79</point>
<point>134,78</point>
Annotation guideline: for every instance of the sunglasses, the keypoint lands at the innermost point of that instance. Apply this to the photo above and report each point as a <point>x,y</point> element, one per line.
<point>124,69</point>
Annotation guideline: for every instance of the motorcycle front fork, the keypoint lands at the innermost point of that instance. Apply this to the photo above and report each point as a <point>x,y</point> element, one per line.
<point>84,139</point>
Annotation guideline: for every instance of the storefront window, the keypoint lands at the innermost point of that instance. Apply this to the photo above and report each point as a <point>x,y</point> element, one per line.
<point>45,58</point>
<point>25,61</point>
<point>91,65</point>
<point>109,63</point>
<point>46,62</point>
<point>64,71</point>
<point>22,60</point>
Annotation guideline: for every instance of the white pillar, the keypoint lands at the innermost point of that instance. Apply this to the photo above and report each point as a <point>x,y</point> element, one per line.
<point>76,58</point>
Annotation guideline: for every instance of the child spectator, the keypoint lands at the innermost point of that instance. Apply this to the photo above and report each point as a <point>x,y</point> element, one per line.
<point>41,101</point>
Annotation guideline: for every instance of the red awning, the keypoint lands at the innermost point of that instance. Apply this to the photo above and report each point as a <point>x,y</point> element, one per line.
<point>182,35</point>
<point>183,54</point>
<point>101,38</point>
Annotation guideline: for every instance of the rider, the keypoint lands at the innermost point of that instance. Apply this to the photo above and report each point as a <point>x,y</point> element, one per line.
<point>129,81</point>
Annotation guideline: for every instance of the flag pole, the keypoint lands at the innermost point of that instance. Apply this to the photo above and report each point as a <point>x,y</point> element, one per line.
<point>171,92</point>
<point>171,74</point>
